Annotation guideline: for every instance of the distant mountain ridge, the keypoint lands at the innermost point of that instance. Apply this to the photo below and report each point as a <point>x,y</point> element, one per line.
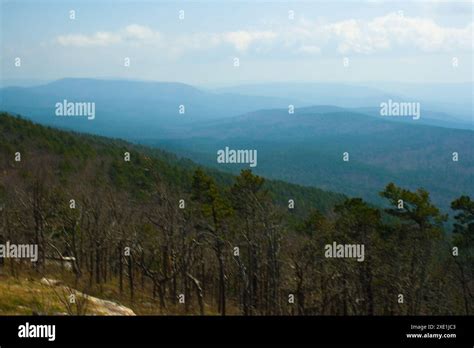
<point>307,148</point>
<point>129,108</point>
<point>304,147</point>
<point>453,99</point>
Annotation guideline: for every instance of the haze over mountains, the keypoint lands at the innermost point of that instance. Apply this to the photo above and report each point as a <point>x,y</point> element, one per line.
<point>453,100</point>
<point>304,148</point>
<point>307,148</point>
<point>129,109</point>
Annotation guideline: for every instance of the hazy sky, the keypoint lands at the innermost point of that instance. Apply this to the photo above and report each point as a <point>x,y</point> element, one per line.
<point>410,41</point>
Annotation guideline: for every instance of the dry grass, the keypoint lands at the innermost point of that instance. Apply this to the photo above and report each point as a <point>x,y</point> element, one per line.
<point>25,294</point>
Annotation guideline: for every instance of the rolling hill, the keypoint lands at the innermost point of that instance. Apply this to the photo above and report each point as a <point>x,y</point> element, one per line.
<point>144,231</point>
<point>304,148</point>
<point>74,156</point>
<point>129,109</point>
<point>307,148</point>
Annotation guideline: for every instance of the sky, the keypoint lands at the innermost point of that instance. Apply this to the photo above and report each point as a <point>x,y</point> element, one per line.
<point>199,42</point>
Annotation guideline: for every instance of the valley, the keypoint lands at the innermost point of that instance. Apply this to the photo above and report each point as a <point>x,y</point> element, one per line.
<point>304,147</point>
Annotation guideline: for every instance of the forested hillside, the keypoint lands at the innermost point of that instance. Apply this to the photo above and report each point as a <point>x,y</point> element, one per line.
<point>161,235</point>
<point>308,148</point>
<point>305,147</point>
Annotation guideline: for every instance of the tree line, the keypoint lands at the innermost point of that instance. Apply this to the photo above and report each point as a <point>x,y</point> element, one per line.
<point>209,248</point>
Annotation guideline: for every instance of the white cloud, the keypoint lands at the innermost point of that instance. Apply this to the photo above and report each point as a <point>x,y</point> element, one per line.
<point>380,34</point>
<point>97,39</point>
<point>387,32</point>
<point>242,39</point>
<point>133,33</point>
<point>423,34</point>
